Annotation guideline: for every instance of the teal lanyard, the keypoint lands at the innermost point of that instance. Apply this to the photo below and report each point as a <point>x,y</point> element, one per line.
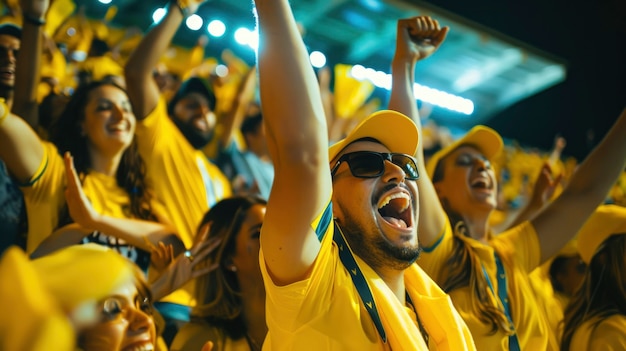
<point>348,261</point>
<point>358,279</point>
<point>502,295</point>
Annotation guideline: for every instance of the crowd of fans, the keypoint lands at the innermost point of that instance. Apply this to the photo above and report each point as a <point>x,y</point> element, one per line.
<point>135,178</point>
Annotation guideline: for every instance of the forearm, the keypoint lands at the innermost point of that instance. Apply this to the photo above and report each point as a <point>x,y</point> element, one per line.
<point>234,118</point>
<point>586,189</point>
<point>529,211</point>
<point>289,89</point>
<point>604,164</point>
<point>69,235</point>
<point>149,51</point>
<point>142,88</point>
<point>402,95</point>
<point>27,73</point>
<point>403,100</point>
<point>139,233</point>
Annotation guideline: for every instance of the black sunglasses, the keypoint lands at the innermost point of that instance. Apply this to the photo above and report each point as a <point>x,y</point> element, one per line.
<point>370,164</point>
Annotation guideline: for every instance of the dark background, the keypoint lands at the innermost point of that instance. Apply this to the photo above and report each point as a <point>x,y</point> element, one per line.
<point>591,37</point>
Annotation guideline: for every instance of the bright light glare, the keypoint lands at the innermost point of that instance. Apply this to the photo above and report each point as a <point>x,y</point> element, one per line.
<point>194,22</point>
<point>105,1</point>
<point>358,72</point>
<point>216,28</point>
<point>423,93</point>
<point>244,36</point>
<point>443,99</point>
<point>318,59</point>
<point>158,14</point>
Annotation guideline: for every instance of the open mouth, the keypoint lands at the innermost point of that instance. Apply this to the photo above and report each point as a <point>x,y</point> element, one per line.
<point>481,184</point>
<point>394,208</point>
<point>200,123</point>
<point>7,72</point>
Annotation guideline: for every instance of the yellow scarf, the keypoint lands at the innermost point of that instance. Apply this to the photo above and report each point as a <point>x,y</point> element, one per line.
<point>445,327</point>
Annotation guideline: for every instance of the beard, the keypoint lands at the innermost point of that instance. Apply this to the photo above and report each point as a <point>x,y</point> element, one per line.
<point>375,250</point>
<point>198,139</point>
<point>7,88</point>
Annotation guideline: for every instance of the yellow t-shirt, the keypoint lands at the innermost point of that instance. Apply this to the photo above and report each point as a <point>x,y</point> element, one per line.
<point>45,198</point>
<point>609,335</point>
<point>519,251</point>
<point>325,312</point>
<point>548,304</point>
<point>193,335</point>
<point>184,180</point>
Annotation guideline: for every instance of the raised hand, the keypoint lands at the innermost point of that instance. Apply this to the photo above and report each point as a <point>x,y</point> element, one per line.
<point>161,255</point>
<point>190,265</point>
<point>545,185</point>
<point>78,204</point>
<point>418,37</point>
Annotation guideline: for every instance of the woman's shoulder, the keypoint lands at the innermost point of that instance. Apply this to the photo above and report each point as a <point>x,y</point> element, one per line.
<point>606,334</point>
<point>613,325</point>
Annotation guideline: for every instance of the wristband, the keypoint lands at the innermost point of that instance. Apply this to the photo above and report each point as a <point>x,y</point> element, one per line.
<point>33,20</point>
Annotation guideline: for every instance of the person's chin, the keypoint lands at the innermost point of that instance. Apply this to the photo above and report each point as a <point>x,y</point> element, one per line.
<point>7,84</point>
<point>199,140</point>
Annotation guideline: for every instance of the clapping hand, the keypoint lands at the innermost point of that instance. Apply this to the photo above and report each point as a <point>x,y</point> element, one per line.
<point>81,210</point>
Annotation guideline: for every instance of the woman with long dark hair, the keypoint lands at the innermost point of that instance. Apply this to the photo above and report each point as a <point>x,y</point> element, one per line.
<point>595,318</point>
<point>106,200</point>
<point>230,310</point>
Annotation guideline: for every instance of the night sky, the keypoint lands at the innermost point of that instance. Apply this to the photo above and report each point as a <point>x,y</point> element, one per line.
<point>591,37</point>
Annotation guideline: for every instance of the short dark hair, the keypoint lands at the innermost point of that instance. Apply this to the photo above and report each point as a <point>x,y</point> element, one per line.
<point>191,85</point>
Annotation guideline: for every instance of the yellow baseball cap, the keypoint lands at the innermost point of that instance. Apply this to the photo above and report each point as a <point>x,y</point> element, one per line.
<point>487,140</point>
<point>79,276</point>
<point>607,220</point>
<point>392,129</point>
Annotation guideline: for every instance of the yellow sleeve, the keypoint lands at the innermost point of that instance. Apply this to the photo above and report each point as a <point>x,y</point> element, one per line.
<point>520,244</point>
<point>44,196</point>
<point>433,258</point>
<point>609,335</point>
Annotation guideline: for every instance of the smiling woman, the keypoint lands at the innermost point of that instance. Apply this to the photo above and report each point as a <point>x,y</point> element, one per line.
<point>113,312</point>
<point>98,194</point>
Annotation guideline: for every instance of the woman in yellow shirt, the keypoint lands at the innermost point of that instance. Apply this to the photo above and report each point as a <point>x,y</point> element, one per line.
<point>111,204</point>
<point>487,276</point>
<point>230,310</point>
<point>595,319</point>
